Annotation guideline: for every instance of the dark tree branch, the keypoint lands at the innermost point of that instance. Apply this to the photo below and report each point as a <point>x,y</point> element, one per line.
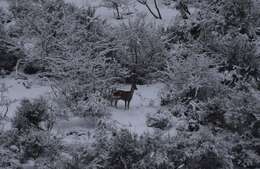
<point>144,2</point>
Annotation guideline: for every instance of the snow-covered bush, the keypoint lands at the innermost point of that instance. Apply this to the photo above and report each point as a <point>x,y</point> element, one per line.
<point>235,111</point>
<point>244,158</point>
<point>73,99</point>
<point>8,159</point>
<point>8,151</point>
<point>204,150</point>
<point>236,50</point>
<point>126,150</point>
<point>191,78</point>
<point>37,144</point>
<point>140,49</point>
<point>33,115</point>
<point>122,150</point>
<point>20,147</point>
<point>161,119</point>
<point>94,106</point>
<point>10,52</point>
<point>182,32</point>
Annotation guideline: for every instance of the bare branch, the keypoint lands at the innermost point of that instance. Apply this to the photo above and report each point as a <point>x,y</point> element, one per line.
<point>156,16</point>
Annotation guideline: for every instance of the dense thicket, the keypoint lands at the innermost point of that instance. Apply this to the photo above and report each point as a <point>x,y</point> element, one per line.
<point>209,64</point>
<point>213,74</point>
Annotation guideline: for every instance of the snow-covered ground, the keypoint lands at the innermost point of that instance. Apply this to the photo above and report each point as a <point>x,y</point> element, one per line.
<point>3,4</point>
<point>79,130</point>
<point>138,10</point>
<point>17,91</point>
<point>168,13</point>
<point>145,100</point>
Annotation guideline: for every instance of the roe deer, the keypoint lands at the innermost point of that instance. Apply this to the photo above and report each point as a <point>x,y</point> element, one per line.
<point>123,95</point>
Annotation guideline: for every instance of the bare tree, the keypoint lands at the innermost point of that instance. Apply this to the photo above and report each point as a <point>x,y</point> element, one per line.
<point>158,15</point>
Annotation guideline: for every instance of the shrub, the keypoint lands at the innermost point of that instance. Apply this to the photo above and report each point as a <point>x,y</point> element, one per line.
<point>8,159</point>
<point>243,157</point>
<point>37,144</point>
<point>17,147</point>
<point>236,111</point>
<point>73,99</point>
<point>140,49</point>
<point>191,78</point>
<point>161,119</point>
<point>31,114</point>
<point>94,106</point>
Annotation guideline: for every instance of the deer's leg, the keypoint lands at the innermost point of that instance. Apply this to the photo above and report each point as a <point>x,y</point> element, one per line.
<point>116,103</point>
<point>128,104</point>
<point>125,103</point>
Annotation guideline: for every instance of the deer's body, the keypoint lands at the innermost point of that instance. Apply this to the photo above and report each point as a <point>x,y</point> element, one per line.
<point>126,96</point>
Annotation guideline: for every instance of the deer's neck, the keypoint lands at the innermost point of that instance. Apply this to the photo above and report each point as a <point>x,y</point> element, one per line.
<point>132,90</point>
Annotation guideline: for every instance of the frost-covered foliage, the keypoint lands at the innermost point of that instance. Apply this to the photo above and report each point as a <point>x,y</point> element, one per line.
<point>71,45</point>
<point>190,78</point>
<point>61,38</point>
<point>21,147</point>
<point>162,119</point>
<point>122,149</point>
<point>5,102</point>
<point>223,30</point>
<point>209,63</point>
<point>140,48</point>
<point>33,114</point>
<point>79,100</point>
<point>237,111</point>
<point>94,107</point>
<point>212,69</point>
<point>10,51</point>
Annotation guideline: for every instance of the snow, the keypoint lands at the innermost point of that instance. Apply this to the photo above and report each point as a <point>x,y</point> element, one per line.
<point>3,4</point>
<point>76,130</point>
<point>17,91</point>
<point>168,13</point>
<point>145,100</point>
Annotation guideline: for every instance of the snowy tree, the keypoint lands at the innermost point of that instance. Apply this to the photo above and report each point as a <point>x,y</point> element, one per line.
<point>140,48</point>
<point>41,24</point>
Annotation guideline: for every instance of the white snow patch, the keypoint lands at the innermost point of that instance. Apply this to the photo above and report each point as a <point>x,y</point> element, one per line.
<point>75,131</point>
<point>4,4</point>
<point>17,91</point>
<point>145,100</point>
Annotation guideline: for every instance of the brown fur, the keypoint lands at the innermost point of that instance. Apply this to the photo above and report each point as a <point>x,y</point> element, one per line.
<point>126,96</point>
